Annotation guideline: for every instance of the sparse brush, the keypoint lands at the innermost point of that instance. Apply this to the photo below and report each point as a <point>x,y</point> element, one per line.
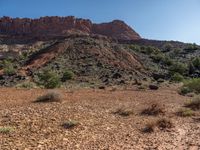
<point>124,112</point>
<point>164,123</point>
<point>161,124</point>
<point>6,130</point>
<point>149,128</point>
<point>154,109</point>
<point>185,112</point>
<point>51,96</point>
<point>70,124</point>
<point>194,104</point>
<point>27,85</point>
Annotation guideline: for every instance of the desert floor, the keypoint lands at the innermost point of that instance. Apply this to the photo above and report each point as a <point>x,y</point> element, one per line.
<point>38,126</point>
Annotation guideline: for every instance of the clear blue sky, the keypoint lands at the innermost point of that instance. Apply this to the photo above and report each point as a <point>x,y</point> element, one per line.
<point>152,19</point>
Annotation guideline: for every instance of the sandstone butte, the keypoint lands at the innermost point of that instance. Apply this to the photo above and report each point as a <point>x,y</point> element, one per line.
<point>61,26</point>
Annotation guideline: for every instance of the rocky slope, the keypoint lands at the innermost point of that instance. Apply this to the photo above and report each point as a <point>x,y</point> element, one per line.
<point>92,59</point>
<point>62,26</point>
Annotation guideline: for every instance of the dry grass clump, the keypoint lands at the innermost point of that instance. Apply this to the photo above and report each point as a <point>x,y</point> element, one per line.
<point>164,123</point>
<point>194,104</point>
<point>6,130</point>
<point>185,112</point>
<point>124,112</point>
<point>51,96</point>
<point>70,124</point>
<point>149,127</point>
<point>154,110</point>
<point>160,124</point>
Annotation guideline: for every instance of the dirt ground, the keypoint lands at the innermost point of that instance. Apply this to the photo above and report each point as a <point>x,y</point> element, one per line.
<point>38,126</point>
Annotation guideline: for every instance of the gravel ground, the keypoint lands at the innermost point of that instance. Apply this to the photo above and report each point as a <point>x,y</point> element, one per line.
<point>38,126</point>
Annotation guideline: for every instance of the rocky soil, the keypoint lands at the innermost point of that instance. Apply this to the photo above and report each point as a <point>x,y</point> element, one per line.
<point>39,125</point>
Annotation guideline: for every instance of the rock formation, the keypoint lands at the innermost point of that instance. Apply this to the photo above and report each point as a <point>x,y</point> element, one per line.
<point>62,26</point>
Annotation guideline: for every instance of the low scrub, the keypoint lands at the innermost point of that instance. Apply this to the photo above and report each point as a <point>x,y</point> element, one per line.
<point>51,96</point>
<point>49,79</point>
<point>67,75</point>
<point>192,85</point>
<point>161,124</point>
<point>6,130</point>
<point>185,112</point>
<point>177,77</point>
<point>27,85</point>
<point>194,104</point>
<point>124,112</point>
<point>154,110</point>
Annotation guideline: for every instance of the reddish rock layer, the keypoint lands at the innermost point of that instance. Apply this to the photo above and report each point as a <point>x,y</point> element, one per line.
<point>59,26</point>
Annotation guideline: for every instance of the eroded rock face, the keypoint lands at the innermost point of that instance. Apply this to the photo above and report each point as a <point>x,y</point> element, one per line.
<point>59,26</point>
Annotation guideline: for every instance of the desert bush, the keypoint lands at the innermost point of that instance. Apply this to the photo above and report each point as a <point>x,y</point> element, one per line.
<point>168,47</point>
<point>185,112</point>
<point>149,127</point>
<point>27,85</point>
<point>154,109</point>
<point>6,130</point>
<point>196,62</point>
<point>8,68</point>
<point>194,104</point>
<point>177,77</point>
<point>157,57</point>
<point>178,68</point>
<point>49,79</point>
<point>135,48</point>
<point>51,96</point>
<point>191,85</point>
<point>164,123</point>
<point>167,61</point>
<point>185,90</point>
<point>124,112</point>
<point>70,124</point>
<point>192,47</point>
<point>67,75</point>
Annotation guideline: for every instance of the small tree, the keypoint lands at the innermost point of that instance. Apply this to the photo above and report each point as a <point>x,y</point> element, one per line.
<point>8,68</point>
<point>49,79</point>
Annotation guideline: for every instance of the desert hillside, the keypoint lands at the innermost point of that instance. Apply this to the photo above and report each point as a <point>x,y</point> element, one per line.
<point>68,83</point>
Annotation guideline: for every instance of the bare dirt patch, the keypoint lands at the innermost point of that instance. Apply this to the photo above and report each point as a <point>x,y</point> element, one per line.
<point>40,125</point>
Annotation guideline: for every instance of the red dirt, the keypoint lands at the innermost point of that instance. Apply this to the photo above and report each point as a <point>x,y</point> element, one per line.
<point>38,125</point>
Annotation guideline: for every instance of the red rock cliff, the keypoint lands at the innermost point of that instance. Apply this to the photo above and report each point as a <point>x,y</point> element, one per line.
<point>57,26</point>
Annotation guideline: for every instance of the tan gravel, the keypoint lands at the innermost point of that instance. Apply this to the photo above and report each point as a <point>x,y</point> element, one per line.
<point>38,126</point>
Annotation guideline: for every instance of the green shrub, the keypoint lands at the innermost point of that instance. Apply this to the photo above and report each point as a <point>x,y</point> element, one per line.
<point>192,47</point>
<point>49,79</point>
<point>196,62</point>
<point>8,68</point>
<point>185,90</point>
<point>178,68</point>
<point>168,47</point>
<point>157,57</point>
<point>135,48</point>
<point>6,130</point>
<point>186,112</point>
<point>192,85</point>
<point>167,61</point>
<point>27,85</point>
<point>67,75</point>
<point>177,77</point>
